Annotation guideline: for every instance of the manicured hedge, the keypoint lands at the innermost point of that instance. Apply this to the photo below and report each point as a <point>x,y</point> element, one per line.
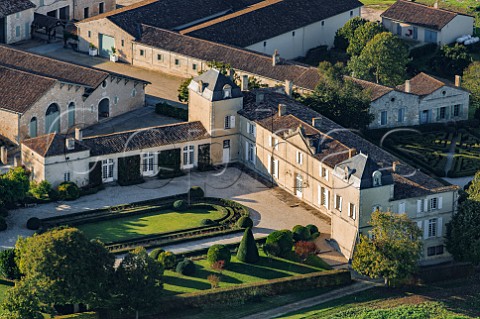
<point>171,111</point>
<point>180,205</point>
<point>279,243</point>
<point>451,271</point>
<point>129,170</point>
<point>68,191</point>
<point>34,223</point>
<point>217,253</point>
<point>245,222</point>
<point>186,267</point>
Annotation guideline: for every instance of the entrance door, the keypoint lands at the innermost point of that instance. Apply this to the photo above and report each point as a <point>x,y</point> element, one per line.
<point>2,31</point>
<point>106,44</point>
<point>430,36</point>
<point>104,108</point>
<point>299,185</point>
<point>424,117</point>
<point>226,152</point>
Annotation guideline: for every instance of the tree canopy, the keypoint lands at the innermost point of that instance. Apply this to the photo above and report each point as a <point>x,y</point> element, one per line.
<point>347,32</point>
<point>342,101</point>
<point>471,82</point>
<point>383,60</point>
<point>451,60</point>
<point>362,35</point>
<point>21,302</point>
<point>393,250</point>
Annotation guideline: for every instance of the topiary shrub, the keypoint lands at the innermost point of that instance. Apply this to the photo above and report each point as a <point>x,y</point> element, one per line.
<point>301,233</point>
<point>68,191</point>
<point>314,233</point>
<point>40,190</point>
<point>280,242</point>
<point>207,222</point>
<point>248,251</point>
<point>186,267</point>
<point>245,222</point>
<point>34,223</point>
<point>196,192</point>
<point>3,224</point>
<point>180,205</point>
<point>219,252</point>
<point>167,259</point>
<point>154,253</point>
<point>8,266</point>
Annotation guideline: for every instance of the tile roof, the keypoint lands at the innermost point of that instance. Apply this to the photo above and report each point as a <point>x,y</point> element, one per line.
<point>271,20</point>
<point>424,84</point>
<point>47,67</point>
<point>376,90</point>
<point>419,14</point>
<point>9,7</point>
<point>252,62</point>
<point>145,138</point>
<point>17,92</point>
<point>418,183</point>
<point>52,144</point>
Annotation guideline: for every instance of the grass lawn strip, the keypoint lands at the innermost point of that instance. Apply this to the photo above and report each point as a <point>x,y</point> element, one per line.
<point>136,226</point>
<point>237,273</point>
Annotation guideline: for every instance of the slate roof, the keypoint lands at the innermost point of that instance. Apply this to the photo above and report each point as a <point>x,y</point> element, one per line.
<point>9,7</point>
<point>424,84</point>
<point>376,90</point>
<point>269,21</point>
<point>47,67</point>
<point>52,144</point>
<point>213,83</point>
<point>17,93</point>
<point>256,63</point>
<point>146,138</point>
<point>411,182</point>
<point>362,167</point>
<point>419,14</point>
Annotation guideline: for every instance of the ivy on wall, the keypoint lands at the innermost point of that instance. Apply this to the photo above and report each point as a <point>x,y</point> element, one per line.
<point>129,170</point>
<point>95,174</point>
<point>169,163</point>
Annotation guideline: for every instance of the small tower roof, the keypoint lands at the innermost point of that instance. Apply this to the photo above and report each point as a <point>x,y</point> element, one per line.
<point>214,84</point>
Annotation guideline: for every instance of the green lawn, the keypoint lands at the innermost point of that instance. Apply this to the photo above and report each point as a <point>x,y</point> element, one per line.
<point>135,226</point>
<point>238,273</point>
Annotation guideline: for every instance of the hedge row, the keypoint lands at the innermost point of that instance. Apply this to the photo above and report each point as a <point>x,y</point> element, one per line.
<point>171,111</point>
<point>451,271</point>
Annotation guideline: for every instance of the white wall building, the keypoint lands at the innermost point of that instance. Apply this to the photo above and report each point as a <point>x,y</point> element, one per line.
<point>16,17</point>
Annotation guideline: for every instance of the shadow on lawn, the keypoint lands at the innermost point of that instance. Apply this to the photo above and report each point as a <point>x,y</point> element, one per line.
<point>187,282</point>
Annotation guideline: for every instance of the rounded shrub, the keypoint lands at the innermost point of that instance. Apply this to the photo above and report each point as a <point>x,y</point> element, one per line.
<point>207,222</point>
<point>33,223</point>
<point>167,259</point>
<point>301,233</point>
<point>245,222</point>
<point>180,205</point>
<point>3,224</point>
<point>186,267</point>
<point>314,233</point>
<point>196,192</point>
<point>280,242</point>
<point>154,253</point>
<point>68,191</point>
<point>219,252</point>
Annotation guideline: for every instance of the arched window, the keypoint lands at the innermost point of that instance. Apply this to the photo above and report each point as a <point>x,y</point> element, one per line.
<point>104,108</point>
<point>71,114</point>
<point>52,119</point>
<point>33,131</point>
<point>377,178</point>
<point>227,91</point>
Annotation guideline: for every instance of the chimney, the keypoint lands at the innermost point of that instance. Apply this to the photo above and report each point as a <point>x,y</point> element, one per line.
<point>275,58</point>
<point>288,87</point>
<point>231,74</point>
<point>70,143</point>
<point>4,155</point>
<point>200,86</point>
<point>458,81</point>
<point>395,165</point>
<point>352,152</point>
<point>78,134</point>
<point>282,110</point>
<point>244,82</point>
<point>259,97</point>
<point>407,86</point>
<point>316,122</point>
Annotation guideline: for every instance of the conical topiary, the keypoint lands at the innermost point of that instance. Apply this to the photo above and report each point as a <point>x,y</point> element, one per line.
<point>248,251</point>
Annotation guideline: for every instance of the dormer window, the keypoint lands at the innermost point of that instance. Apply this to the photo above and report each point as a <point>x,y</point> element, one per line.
<point>227,91</point>
<point>377,178</point>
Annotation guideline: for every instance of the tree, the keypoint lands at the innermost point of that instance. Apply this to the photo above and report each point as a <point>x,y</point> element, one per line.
<point>346,33</point>
<point>392,252</point>
<point>65,267</point>
<point>471,82</point>
<point>248,251</point>
<point>383,60</point>
<point>21,302</point>
<point>138,282</point>
<point>14,185</point>
<point>362,35</point>
<point>8,266</point>
<point>451,60</point>
<point>473,190</point>
<point>340,99</point>
<point>183,90</point>
<point>463,232</point>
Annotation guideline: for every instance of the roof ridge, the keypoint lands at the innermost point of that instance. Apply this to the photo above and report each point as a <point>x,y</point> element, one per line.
<point>430,7</point>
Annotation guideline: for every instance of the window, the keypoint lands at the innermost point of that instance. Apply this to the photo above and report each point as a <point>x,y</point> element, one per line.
<point>71,114</point>
<point>148,163</point>
<point>401,208</point>
<point>17,15</point>
<point>159,57</point>
<point>250,153</point>
<point>272,166</point>
<point>52,119</point>
<point>227,91</point>
<point>229,122</point>
<point>299,158</point>
<point>352,211</point>
<point>434,203</point>
<point>415,33</point>
<point>188,156</point>
<point>33,127</point>
<point>42,3</point>
<point>264,43</point>
<point>251,129</point>
<point>86,12</point>
<point>17,31</point>
<point>338,202</point>
<point>323,23</point>
<point>432,228</point>
<point>323,199</point>
<point>442,113</point>
<point>383,118</point>
<point>377,178</point>
<point>177,62</point>
<point>142,52</point>
<point>194,66</point>
<point>401,115</point>
<point>351,13</point>
<point>123,43</point>
<point>456,110</point>
<point>115,100</point>
<point>107,170</point>
<point>104,84</point>
<point>89,34</point>
<point>324,172</point>
<point>430,36</point>
<point>101,8</point>
<point>66,177</point>
<point>298,185</point>
<point>273,142</point>
<point>293,33</point>
<point>134,92</point>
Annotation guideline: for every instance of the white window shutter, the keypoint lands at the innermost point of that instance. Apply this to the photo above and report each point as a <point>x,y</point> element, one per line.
<point>246,151</point>
<point>425,230</point>
<point>248,127</point>
<point>319,195</point>
<point>327,198</point>
<point>419,206</point>
<point>426,204</point>
<point>270,140</point>
<point>440,202</point>
<point>276,144</point>
<point>232,121</point>
<point>419,225</point>
<point>349,210</point>
<point>254,154</point>
<point>269,159</point>
<point>401,208</point>
<point>440,226</point>
<point>340,204</point>
<point>354,212</point>
<point>326,174</point>
<point>275,166</point>
<point>254,131</point>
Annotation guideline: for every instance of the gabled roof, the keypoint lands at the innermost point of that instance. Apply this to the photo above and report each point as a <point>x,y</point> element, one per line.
<point>47,67</point>
<point>419,14</point>
<point>424,84</point>
<point>362,167</point>
<point>270,19</point>
<point>376,90</point>
<point>19,90</point>
<point>52,144</point>
<point>9,7</point>
<point>303,76</point>
<point>213,83</point>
